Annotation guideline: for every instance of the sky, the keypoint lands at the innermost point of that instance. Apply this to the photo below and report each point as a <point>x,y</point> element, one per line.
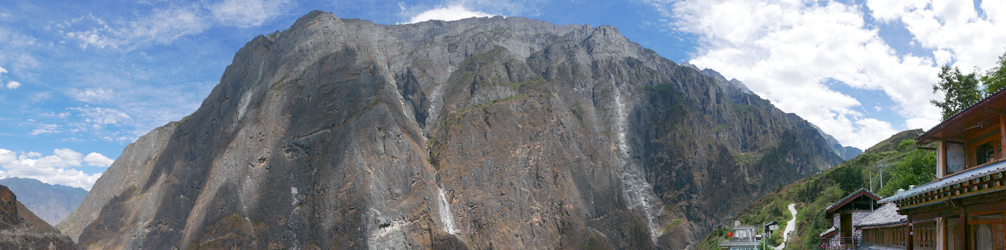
<point>80,80</point>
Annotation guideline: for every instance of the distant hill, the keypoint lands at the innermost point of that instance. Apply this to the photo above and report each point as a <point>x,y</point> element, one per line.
<point>52,203</point>
<point>21,229</point>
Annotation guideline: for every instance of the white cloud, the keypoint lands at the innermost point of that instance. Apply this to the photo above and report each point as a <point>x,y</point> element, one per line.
<point>52,169</point>
<point>102,116</point>
<point>449,13</point>
<point>953,28</point>
<point>791,51</point>
<point>162,26</point>
<point>2,71</point>
<point>97,160</point>
<point>92,94</point>
<point>246,13</point>
<point>13,85</point>
<point>44,128</point>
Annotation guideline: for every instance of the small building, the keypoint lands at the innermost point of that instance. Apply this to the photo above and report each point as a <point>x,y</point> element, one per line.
<point>967,200</point>
<point>843,215</point>
<point>883,229</point>
<point>742,238</point>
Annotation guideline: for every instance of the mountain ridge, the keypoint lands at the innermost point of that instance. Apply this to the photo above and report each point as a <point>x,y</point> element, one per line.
<point>341,132</point>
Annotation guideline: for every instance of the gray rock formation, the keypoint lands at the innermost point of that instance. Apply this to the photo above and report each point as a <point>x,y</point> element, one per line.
<point>341,133</point>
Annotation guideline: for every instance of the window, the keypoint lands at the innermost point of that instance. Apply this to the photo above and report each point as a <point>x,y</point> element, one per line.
<point>983,147</point>
<point>984,153</point>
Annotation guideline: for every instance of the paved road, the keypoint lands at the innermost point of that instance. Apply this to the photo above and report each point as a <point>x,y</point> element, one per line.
<point>790,227</point>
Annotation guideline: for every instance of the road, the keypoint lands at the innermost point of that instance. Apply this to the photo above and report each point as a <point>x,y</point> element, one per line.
<point>790,227</point>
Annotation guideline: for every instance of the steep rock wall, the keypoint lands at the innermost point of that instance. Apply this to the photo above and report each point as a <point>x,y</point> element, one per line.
<point>341,133</point>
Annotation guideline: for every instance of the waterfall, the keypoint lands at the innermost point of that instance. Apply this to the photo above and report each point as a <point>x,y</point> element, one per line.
<point>445,212</point>
<point>446,217</point>
<point>638,192</point>
<point>432,112</point>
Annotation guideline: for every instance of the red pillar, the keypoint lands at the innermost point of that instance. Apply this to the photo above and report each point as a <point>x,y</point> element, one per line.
<point>909,244</point>
<point>962,236</point>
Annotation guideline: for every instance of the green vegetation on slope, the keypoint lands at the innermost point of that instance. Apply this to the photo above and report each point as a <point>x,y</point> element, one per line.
<point>901,162</point>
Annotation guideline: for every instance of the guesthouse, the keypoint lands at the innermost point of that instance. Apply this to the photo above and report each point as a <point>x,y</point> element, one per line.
<point>963,208</point>
<point>843,215</point>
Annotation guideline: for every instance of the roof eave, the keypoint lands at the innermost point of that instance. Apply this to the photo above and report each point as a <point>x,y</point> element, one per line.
<point>927,136</point>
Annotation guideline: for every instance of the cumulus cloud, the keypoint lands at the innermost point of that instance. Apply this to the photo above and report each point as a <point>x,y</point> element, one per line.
<point>954,28</point>
<point>52,169</point>
<point>793,53</point>
<point>13,85</point>
<point>449,13</point>
<point>246,13</point>
<point>97,160</point>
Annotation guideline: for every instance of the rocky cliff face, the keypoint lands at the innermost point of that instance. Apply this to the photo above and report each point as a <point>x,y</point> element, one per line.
<point>21,229</point>
<point>480,133</point>
<point>52,203</point>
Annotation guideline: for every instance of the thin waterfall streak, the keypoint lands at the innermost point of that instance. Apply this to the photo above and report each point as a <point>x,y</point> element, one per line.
<point>637,191</point>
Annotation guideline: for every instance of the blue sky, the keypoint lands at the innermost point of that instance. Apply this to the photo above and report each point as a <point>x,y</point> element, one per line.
<point>79,80</point>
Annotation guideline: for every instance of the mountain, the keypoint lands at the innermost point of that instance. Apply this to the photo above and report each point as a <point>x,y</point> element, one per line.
<point>898,157</point>
<point>52,203</point>
<point>479,133</point>
<point>733,85</point>
<point>21,229</point>
<point>846,152</point>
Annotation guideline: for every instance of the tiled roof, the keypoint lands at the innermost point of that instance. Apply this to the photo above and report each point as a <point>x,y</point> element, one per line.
<point>951,180</point>
<point>883,216</point>
<point>827,232</point>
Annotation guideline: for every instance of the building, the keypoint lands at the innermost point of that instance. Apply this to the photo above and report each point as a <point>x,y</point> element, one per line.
<point>843,215</point>
<point>966,202</point>
<point>884,228</point>
<point>742,238</point>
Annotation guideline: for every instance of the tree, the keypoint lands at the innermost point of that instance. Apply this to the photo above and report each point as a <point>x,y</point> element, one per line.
<point>961,90</point>
<point>995,78</point>
<point>917,168</point>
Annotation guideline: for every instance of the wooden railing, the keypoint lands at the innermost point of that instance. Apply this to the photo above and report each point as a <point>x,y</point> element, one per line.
<point>924,236</point>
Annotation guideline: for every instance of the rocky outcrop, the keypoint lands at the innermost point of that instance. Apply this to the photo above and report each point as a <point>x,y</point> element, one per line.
<point>480,133</point>
<point>130,170</point>
<point>21,229</point>
<point>52,203</point>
